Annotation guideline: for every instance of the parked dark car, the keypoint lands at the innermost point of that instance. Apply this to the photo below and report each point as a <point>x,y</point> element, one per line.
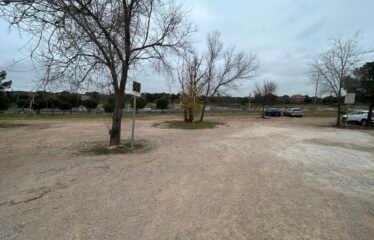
<point>273,112</point>
<point>293,112</point>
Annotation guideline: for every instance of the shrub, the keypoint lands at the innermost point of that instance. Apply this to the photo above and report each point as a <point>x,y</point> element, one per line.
<point>4,102</point>
<point>90,104</point>
<point>162,104</point>
<point>140,103</point>
<point>40,102</point>
<point>64,106</point>
<point>22,103</point>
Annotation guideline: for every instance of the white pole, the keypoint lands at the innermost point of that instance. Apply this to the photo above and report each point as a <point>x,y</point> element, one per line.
<point>133,124</point>
<point>347,118</point>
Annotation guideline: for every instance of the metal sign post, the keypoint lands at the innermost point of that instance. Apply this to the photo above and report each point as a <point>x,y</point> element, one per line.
<point>136,87</point>
<point>347,119</point>
<point>349,99</point>
<point>133,123</point>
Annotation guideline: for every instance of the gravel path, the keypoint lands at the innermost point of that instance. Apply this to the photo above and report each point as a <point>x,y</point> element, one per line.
<point>247,179</point>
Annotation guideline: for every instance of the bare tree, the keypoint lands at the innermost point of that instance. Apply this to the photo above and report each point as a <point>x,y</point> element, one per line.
<point>85,40</point>
<point>315,80</point>
<point>265,92</point>
<point>190,77</point>
<point>215,47</point>
<point>334,65</point>
<point>224,69</point>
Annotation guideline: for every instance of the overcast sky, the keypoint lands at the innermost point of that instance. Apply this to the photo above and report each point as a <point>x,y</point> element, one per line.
<point>285,34</point>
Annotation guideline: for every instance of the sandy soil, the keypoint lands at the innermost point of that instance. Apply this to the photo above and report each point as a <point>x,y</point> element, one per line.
<point>249,179</point>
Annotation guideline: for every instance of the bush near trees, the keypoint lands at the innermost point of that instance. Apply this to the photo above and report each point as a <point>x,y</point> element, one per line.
<point>90,104</point>
<point>52,102</point>
<point>4,101</point>
<point>108,108</point>
<point>109,105</point>
<point>65,102</point>
<point>23,103</point>
<point>153,97</point>
<point>307,99</point>
<point>68,101</point>
<point>39,102</point>
<point>140,103</point>
<point>162,104</point>
<point>64,106</point>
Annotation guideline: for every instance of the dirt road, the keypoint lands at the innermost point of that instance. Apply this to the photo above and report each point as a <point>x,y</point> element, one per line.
<point>248,179</point>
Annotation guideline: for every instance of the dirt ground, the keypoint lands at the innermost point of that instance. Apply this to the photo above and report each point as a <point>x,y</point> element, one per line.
<point>248,179</point>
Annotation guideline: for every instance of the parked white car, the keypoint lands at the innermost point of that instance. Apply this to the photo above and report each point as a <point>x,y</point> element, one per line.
<point>293,112</point>
<point>358,117</point>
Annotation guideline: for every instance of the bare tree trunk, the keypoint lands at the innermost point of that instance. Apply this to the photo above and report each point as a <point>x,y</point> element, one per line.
<point>115,132</point>
<point>370,115</point>
<point>203,110</point>
<point>263,110</point>
<point>190,115</point>
<point>339,111</point>
<point>185,115</point>
<point>205,103</point>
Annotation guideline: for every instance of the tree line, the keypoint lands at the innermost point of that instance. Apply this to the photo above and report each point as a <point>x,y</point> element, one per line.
<point>64,101</point>
<point>67,101</point>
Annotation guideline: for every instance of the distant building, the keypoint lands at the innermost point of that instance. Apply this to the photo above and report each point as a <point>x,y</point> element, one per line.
<point>298,98</point>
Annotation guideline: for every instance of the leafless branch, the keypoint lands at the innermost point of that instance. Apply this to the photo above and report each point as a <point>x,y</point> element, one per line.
<point>84,40</point>
<point>333,66</point>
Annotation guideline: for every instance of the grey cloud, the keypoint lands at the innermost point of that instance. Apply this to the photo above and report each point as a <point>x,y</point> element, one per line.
<point>311,30</point>
<point>285,34</point>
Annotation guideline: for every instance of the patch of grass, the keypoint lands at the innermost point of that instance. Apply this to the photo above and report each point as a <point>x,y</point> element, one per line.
<point>101,149</point>
<point>187,125</point>
<point>12,125</point>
